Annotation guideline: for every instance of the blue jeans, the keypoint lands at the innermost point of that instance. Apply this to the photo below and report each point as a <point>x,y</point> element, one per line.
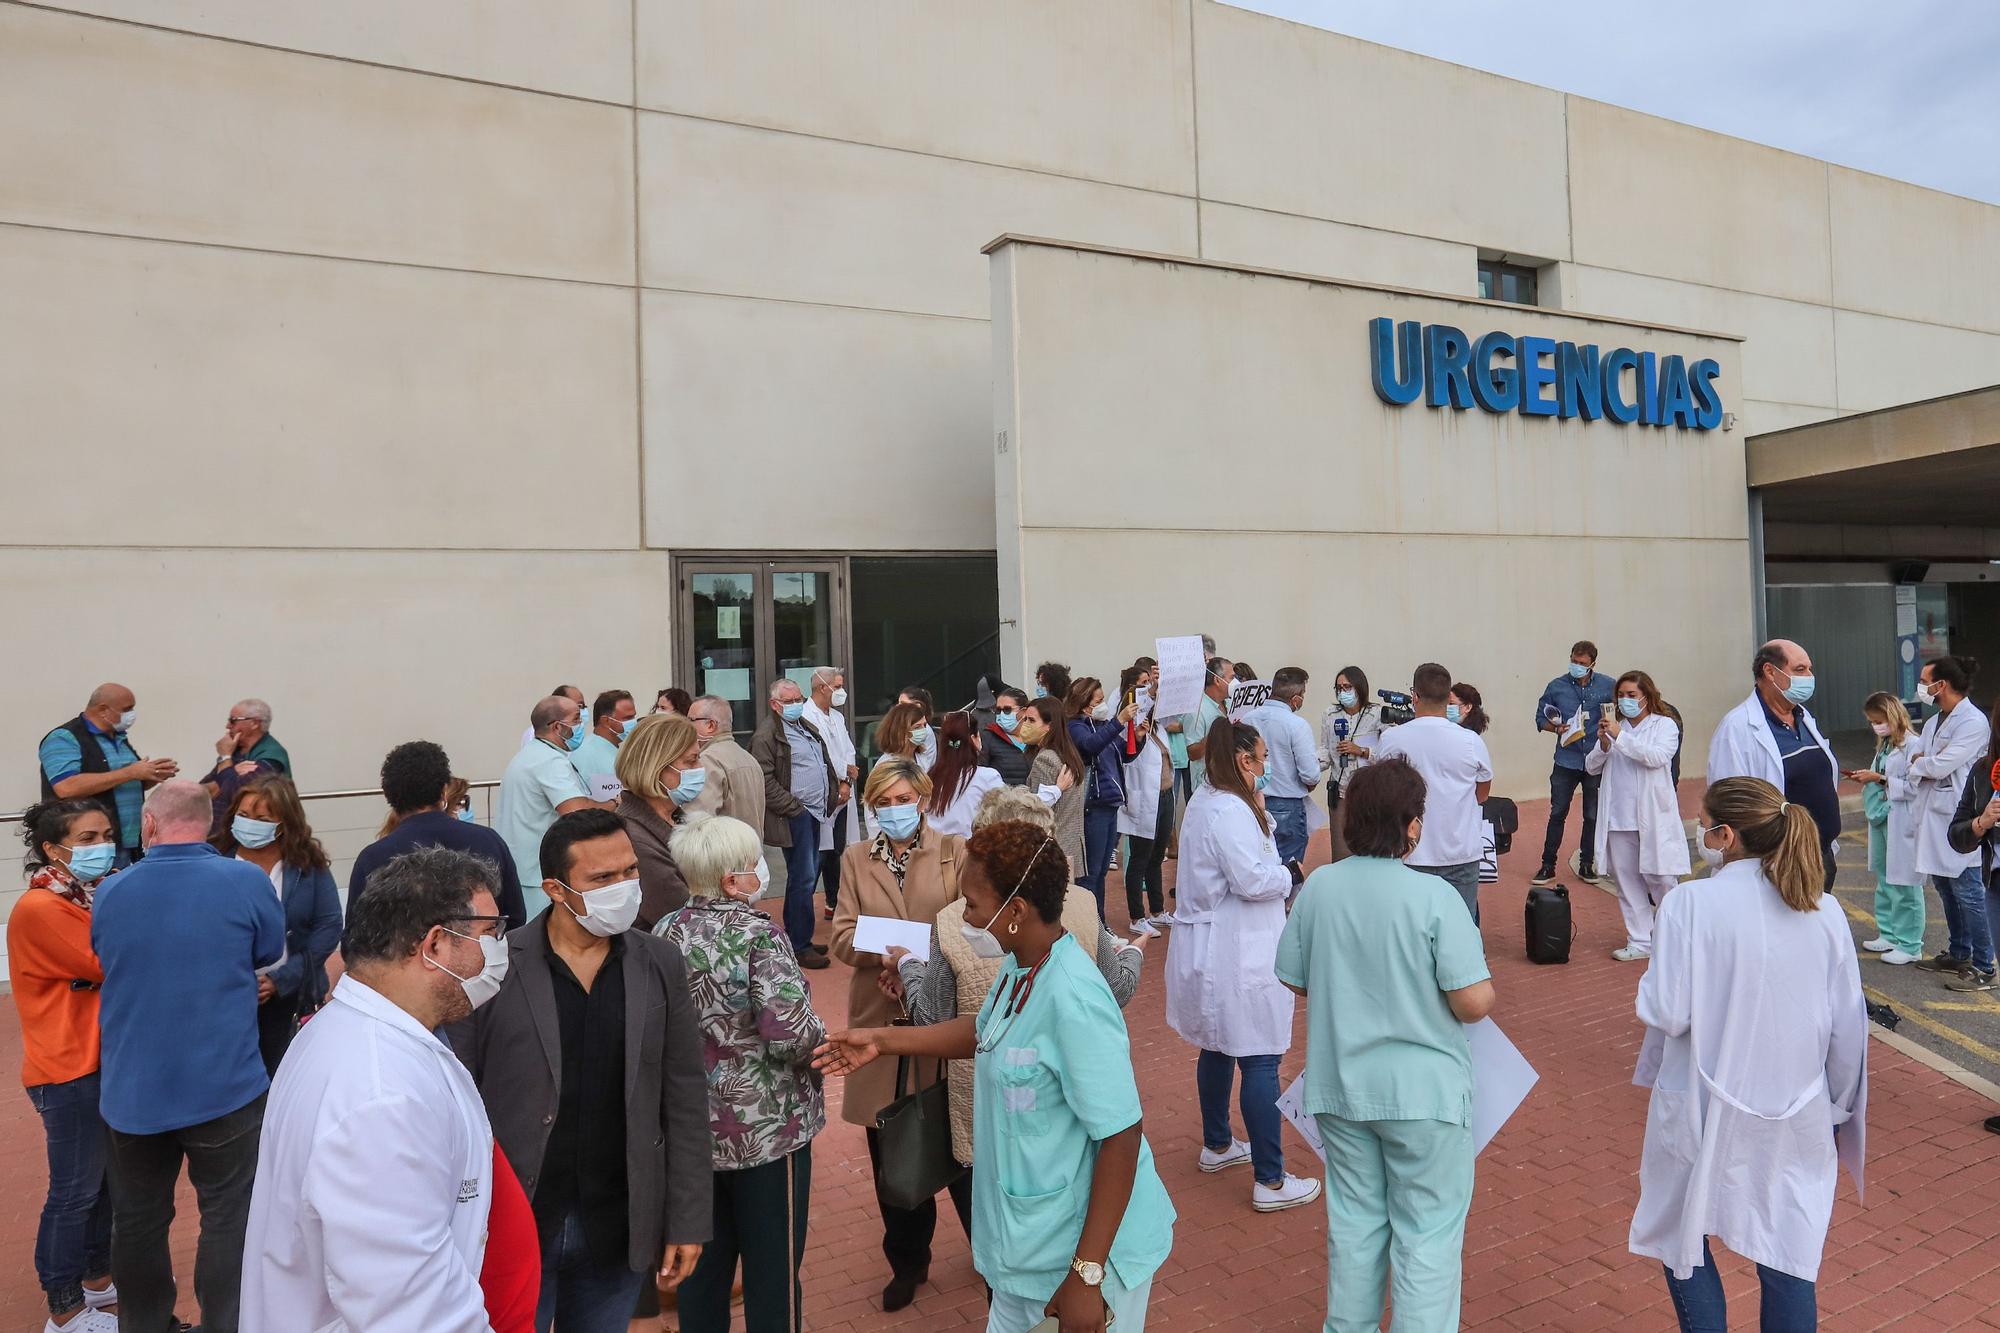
<point>801,878</point>
<point>1288,821</point>
<point>1965,920</point>
<point>74,1240</point>
<point>1100,836</point>
<point>589,1297</point>
<point>1791,1305</point>
<point>1213,1073</point>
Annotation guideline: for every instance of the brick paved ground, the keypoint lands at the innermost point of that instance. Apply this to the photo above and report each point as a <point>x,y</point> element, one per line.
<point>1545,1245</point>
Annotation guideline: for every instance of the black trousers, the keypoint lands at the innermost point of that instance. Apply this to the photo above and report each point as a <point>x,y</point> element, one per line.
<point>1146,876</point>
<point>756,1210</point>
<point>907,1232</point>
<point>829,861</point>
<point>277,1022</point>
<point>1563,783</point>
<point>221,1157</point>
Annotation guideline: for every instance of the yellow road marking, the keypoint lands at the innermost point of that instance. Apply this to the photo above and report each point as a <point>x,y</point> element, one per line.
<point>1937,1029</point>
<point>1955,1007</point>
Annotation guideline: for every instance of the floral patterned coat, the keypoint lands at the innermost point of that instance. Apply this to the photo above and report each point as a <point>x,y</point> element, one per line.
<point>758,1031</point>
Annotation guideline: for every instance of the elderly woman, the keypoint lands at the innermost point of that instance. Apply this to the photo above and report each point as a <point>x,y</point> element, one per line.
<point>765,1102</point>
<point>955,980</point>
<point>908,871</point>
<point>1391,967</point>
<point>70,848</point>
<point>1072,1219</point>
<point>659,766</point>
<point>267,827</point>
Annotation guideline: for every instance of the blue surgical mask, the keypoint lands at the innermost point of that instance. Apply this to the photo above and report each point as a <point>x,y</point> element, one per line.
<point>1451,713</point>
<point>1263,781</point>
<point>625,727</point>
<point>920,737</point>
<point>1041,691</point>
<point>253,833</point>
<point>794,711</point>
<point>577,734</point>
<point>1800,689</point>
<point>1629,707</point>
<point>465,813</point>
<point>92,862</point>
<point>690,785</point>
<point>125,721</point>
<point>899,821</point>
<point>1007,721</point>
<point>1346,698</point>
<point>1577,670</point>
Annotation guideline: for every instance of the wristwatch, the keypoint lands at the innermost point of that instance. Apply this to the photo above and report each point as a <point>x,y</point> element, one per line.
<point>1092,1274</point>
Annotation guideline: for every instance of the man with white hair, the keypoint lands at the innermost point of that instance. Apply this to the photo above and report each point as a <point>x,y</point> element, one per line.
<point>247,748</point>
<point>800,788</point>
<point>180,937</point>
<point>735,785</point>
<point>829,692</point>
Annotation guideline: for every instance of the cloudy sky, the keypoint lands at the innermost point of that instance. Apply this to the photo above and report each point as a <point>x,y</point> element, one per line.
<point>1905,88</point>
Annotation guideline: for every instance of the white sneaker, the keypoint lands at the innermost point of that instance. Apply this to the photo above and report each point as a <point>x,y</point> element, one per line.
<point>1628,954</point>
<point>1290,1192</point>
<point>1237,1153</point>
<point>90,1321</point>
<point>1144,927</point>
<point>1161,919</point>
<point>1897,958</point>
<point>97,1300</point>
<point>1878,945</point>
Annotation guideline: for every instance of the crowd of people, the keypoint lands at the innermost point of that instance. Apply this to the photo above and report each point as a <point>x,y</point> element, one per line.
<point>535,1075</point>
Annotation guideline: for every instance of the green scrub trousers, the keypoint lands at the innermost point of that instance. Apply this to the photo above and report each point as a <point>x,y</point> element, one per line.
<point>1899,908</point>
<point>1397,1192</point>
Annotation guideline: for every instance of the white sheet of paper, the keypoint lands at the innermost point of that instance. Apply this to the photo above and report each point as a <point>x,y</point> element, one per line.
<point>605,789</point>
<point>1501,1078</point>
<point>878,934</point>
<point>1181,672</point>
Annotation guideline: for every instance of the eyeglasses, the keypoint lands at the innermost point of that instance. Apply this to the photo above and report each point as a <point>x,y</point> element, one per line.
<point>234,720</point>
<point>499,923</point>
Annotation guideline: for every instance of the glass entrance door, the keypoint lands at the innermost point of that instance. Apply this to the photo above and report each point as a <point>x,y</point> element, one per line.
<point>753,620</point>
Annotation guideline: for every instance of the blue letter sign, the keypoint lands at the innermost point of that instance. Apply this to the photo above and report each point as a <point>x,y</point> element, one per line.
<point>1540,377</point>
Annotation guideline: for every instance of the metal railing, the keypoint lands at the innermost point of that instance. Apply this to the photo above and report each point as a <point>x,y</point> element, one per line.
<point>350,793</point>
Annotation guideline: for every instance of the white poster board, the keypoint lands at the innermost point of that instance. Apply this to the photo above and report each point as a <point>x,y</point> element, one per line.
<point>1181,674</point>
<point>1245,695</point>
<point>1501,1079</point>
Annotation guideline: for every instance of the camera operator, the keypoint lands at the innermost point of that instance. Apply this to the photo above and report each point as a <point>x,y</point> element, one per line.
<point>1457,775</point>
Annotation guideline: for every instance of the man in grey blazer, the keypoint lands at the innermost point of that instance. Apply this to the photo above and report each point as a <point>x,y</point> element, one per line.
<point>589,1063</point>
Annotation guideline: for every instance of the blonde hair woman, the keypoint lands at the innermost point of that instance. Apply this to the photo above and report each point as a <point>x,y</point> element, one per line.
<point>908,870</point>
<point>956,979</point>
<point>1756,1051</point>
<point>765,1101</point>
<point>659,766</point>
<point>1889,799</point>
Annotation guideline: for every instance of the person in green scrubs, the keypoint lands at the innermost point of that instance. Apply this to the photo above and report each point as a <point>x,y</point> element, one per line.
<point>1391,967</point>
<point>1069,1217</point>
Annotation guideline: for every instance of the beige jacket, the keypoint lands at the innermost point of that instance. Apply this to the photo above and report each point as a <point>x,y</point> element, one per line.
<point>735,785</point>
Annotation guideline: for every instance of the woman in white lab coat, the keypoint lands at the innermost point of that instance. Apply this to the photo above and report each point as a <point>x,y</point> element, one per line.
<point>1223,994</point>
<point>1641,842</point>
<point>1756,1054</point>
<point>1889,800</point>
<point>1147,818</point>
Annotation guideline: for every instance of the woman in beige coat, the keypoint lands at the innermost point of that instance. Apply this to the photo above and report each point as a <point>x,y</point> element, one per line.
<point>909,871</point>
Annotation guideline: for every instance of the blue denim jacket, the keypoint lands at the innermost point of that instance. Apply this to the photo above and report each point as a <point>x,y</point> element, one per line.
<point>1565,694</point>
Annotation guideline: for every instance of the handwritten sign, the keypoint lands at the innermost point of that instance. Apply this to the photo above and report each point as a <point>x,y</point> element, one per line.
<point>1182,673</point>
<point>1245,695</point>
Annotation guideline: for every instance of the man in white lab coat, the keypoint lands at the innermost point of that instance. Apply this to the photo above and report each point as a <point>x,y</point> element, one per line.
<point>1953,742</point>
<point>375,1174</point>
<point>838,828</point>
<point>1771,736</point>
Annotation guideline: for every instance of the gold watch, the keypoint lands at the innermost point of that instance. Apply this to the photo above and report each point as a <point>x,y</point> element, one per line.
<point>1092,1274</point>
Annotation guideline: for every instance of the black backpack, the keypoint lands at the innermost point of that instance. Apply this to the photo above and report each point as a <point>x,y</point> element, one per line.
<point>1505,819</point>
<point>1550,930</point>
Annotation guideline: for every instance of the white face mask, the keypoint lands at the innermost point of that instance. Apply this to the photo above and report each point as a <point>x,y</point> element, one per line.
<point>125,721</point>
<point>1879,728</point>
<point>1927,693</point>
<point>1712,856</point>
<point>763,874</point>
<point>839,698</point>
<point>981,939</point>
<point>608,911</point>
<point>1102,712</point>
<point>484,984</point>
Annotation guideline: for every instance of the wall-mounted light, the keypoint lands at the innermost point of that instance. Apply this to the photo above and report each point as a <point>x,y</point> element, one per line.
<point>1729,421</point>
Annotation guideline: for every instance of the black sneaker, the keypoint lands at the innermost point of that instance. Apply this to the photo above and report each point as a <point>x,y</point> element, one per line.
<point>1943,962</point>
<point>1993,1124</point>
<point>1544,877</point>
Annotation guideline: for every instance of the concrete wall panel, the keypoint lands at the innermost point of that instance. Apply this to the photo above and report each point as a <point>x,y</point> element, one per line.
<point>1756,417</point>
<point>803,427</point>
<point>1260,239</point>
<point>1305,121</point>
<point>1788,349</point>
<point>187,138</point>
<point>1884,362</point>
<point>1656,197</point>
<point>761,213</point>
<point>579,47</point>
<point>1903,250</point>
<point>229,398</point>
<point>1097,91</point>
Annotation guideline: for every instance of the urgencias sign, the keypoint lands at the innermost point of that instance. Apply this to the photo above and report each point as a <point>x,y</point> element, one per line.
<point>1539,377</point>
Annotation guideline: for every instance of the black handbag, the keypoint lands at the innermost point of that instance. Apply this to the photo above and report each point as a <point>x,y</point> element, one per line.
<point>914,1135</point>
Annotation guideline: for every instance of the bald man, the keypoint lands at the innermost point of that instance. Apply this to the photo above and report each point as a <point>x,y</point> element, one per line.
<point>1772,736</point>
<point>90,757</point>
<point>181,937</point>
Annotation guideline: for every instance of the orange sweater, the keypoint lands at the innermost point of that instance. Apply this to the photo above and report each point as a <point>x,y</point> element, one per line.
<point>48,946</point>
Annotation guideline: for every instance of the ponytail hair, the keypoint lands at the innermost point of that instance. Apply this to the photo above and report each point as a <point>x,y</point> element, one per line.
<point>1778,833</point>
<point>1226,742</point>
